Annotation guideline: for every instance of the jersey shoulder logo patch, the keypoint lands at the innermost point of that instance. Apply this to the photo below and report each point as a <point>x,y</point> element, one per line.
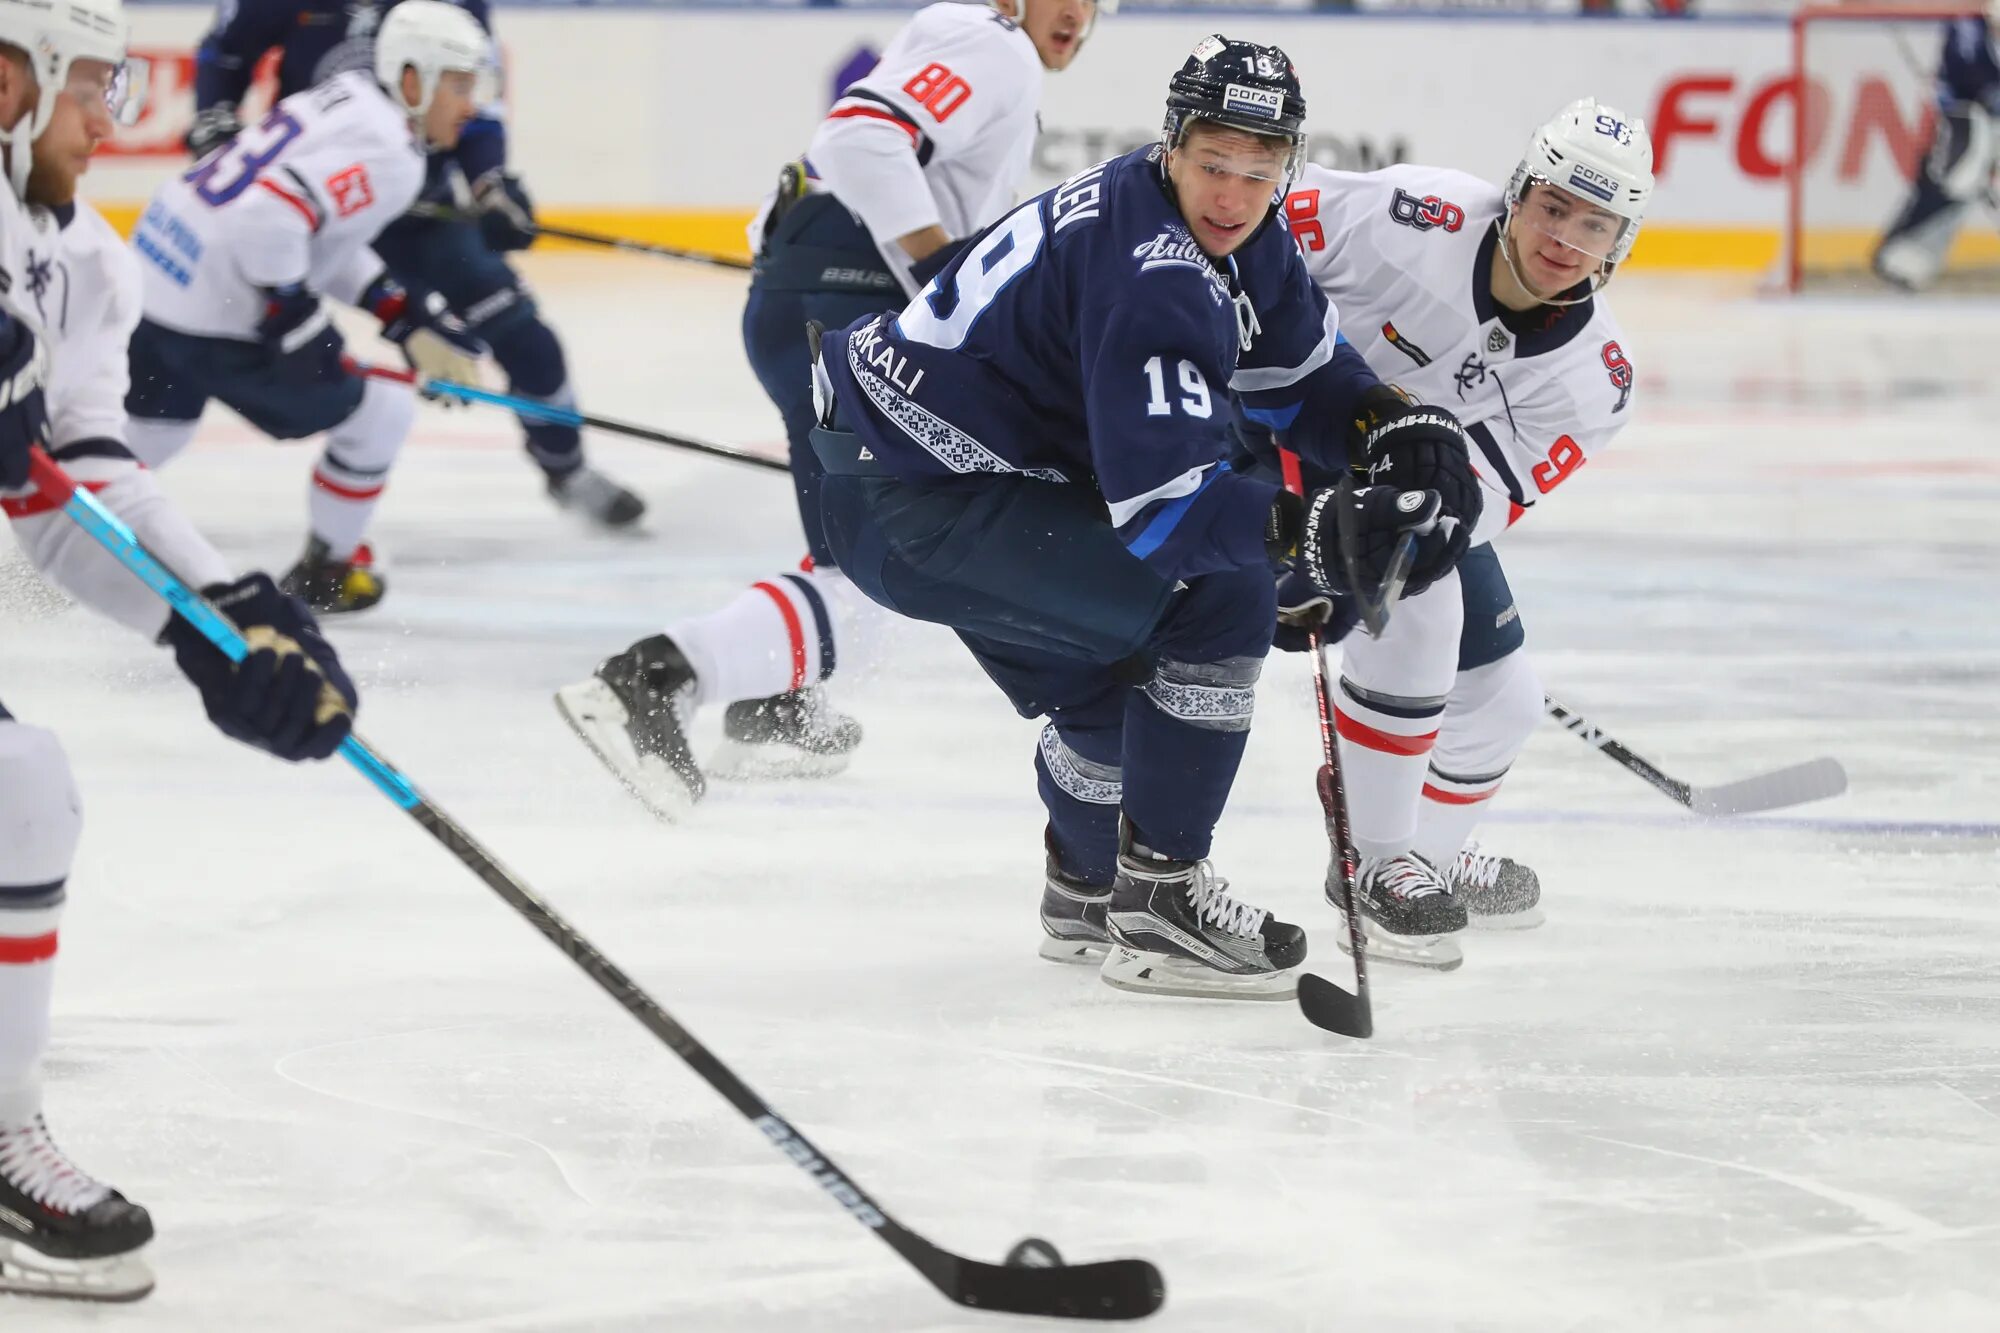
<point>350,190</point>
<point>1425,212</point>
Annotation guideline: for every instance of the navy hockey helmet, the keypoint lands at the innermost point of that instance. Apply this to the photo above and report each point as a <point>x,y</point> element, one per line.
<point>1242,85</point>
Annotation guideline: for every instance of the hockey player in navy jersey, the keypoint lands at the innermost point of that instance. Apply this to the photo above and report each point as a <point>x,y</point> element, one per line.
<point>1958,170</point>
<point>919,154</point>
<point>1032,453</point>
<point>461,257</point>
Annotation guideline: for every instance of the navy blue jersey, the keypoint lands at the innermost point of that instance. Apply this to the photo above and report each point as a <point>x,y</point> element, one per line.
<point>1970,70</point>
<point>1085,338</point>
<point>319,39</point>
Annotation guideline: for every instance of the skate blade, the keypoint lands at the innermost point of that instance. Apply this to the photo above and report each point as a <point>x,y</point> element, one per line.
<point>25,1271</point>
<point>1073,951</point>
<point>1158,974</point>
<point>1439,953</point>
<point>1526,919</point>
<point>741,761</point>
<point>598,719</point>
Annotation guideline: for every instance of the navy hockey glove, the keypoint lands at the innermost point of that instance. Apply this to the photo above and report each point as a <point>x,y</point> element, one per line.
<point>937,261</point>
<point>290,697</point>
<point>24,417</point>
<point>1302,608</point>
<point>434,342</point>
<point>301,345</point>
<point>1351,534</point>
<point>213,127</point>
<point>1423,448</point>
<point>506,214</point>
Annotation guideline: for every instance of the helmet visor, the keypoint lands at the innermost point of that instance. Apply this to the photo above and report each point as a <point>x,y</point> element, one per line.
<point>1232,150</point>
<point>117,88</point>
<point>1572,221</point>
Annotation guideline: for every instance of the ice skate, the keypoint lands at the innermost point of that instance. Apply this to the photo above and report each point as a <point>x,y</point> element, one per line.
<point>1499,893</point>
<point>63,1234</point>
<point>1174,930</point>
<point>633,714</point>
<point>794,735</point>
<point>335,587</point>
<point>1073,917</point>
<point>1407,910</point>
<point>588,492</point>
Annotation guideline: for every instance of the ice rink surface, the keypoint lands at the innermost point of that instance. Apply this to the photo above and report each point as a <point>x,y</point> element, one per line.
<point>1746,1078</point>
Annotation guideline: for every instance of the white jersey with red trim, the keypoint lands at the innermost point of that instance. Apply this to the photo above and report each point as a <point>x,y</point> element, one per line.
<point>295,199</point>
<point>940,133</point>
<point>72,281</point>
<point>1405,254</point>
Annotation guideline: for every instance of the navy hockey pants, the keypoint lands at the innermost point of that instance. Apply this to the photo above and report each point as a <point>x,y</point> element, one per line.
<point>449,257</point>
<point>1148,685</point>
<point>817,264</point>
<point>174,374</point>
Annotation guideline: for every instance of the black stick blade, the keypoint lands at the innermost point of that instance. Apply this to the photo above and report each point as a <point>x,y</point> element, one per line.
<point>1326,1005</point>
<point>1114,1289</point>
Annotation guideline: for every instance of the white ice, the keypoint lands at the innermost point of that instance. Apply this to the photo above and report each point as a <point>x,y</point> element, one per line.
<point>1746,1078</point>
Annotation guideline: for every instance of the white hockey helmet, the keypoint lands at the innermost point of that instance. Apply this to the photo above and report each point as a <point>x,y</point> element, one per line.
<point>1599,155</point>
<point>431,37</point>
<point>55,34</point>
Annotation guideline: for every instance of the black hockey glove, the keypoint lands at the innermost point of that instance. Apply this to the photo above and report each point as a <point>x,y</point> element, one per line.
<point>24,416</point>
<point>1351,533</point>
<point>1422,448</point>
<point>435,343</point>
<point>1303,608</point>
<point>212,128</point>
<point>290,697</point>
<point>506,214</point>
<point>1282,528</point>
<point>301,344</point>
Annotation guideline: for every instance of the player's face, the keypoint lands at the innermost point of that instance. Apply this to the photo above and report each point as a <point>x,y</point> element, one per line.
<point>83,119</point>
<point>1224,180</point>
<point>1559,239</point>
<point>452,107</point>
<point>1057,28</point>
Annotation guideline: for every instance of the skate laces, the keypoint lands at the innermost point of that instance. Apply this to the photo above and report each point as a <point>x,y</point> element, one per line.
<point>1475,868</point>
<point>1406,877</point>
<point>31,1162</point>
<point>1209,894</point>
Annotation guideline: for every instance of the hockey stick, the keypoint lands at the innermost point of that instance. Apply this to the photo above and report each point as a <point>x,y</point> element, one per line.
<point>1814,780</point>
<point>1115,1289</point>
<point>1324,1004</point>
<point>561,416</point>
<point>442,213</point>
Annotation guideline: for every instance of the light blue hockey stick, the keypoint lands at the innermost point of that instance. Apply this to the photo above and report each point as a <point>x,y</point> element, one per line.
<point>1112,1289</point>
<point>560,416</point>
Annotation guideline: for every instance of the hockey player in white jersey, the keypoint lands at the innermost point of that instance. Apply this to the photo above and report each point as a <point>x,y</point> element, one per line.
<point>70,304</point>
<point>926,150</point>
<point>1487,302</point>
<point>239,252</point>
